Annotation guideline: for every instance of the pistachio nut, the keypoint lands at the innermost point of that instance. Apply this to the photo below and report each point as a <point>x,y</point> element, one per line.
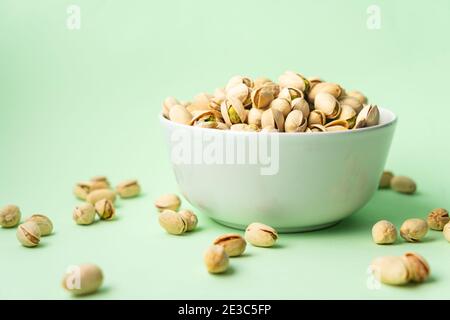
<point>128,189</point>
<point>190,218</point>
<point>437,219</point>
<point>390,270</point>
<point>44,223</point>
<point>105,209</point>
<point>238,80</point>
<point>206,116</point>
<point>313,81</point>
<point>290,79</point>
<point>368,117</point>
<point>418,268</point>
<point>403,184</point>
<point>168,202</point>
<point>261,235</point>
<point>82,279</point>
<point>261,81</point>
<point>168,103</point>
<point>295,122</point>
<point>172,222</point>
<point>337,123</point>
<point>239,127</point>
<point>233,111</point>
<point>446,232</point>
<point>413,230</point>
<point>316,117</point>
<point>326,87</point>
<point>82,189</point>
<point>290,94</point>
<point>263,96</point>
<point>9,216</point>
<point>385,180</point>
<point>336,128</point>
<point>180,114</point>
<point>328,104</point>
<point>216,260</point>
<point>217,99</point>
<point>318,128</point>
<point>241,92</point>
<point>29,234</point>
<point>101,194</point>
<point>349,115</point>
<point>185,103</point>
<point>84,214</point>
<point>272,118</point>
<point>254,117</point>
<point>358,95</point>
<point>282,105</point>
<point>200,102</point>
<point>384,232</point>
<point>302,105</point>
<point>269,129</point>
<point>233,243</point>
<point>207,124</point>
<point>351,102</point>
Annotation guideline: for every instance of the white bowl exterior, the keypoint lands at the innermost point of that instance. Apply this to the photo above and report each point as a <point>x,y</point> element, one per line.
<point>322,178</point>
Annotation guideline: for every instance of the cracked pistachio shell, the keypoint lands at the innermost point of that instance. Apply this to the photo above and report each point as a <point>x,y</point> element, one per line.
<point>190,218</point>
<point>233,111</point>
<point>336,128</point>
<point>242,127</point>
<point>263,96</point>
<point>254,117</point>
<point>83,280</point>
<point>368,117</point>
<point>385,180</point>
<point>101,194</point>
<point>200,102</point>
<point>446,232</point>
<point>217,99</point>
<point>316,117</point>
<point>390,270</point>
<point>403,184</point>
<point>168,202</point>
<point>206,116</point>
<point>437,219</point>
<point>418,268</point>
<point>352,103</point>
<point>334,123</point>
<point>180,114</point>
<point>282,105</point>
<point>348,114</point>
<point>327,87</point>
<point>358,95</point>
<point>290,94</point>
<point>105,209</point>
<point>233,244</point>
<point>29,234</point>
<point>414,230</point>
<point>168,103</point>
<point>216,259</point>
<point>302,105</point>
<point>384,232</point>
<point>261,235</point>
<point>241,92</point>
<point>261,81</point>
<point>328,104</point>
<point>313,81</point>
<point>318,128</point>
<point>9,216</point>
<point>172,222</point>
<point>273,118</point>
<point>295,122</point>
<point>128,189</point>
<point>44,223</point>
<point>82,189</point>
<point>291,79</point>
<point>238,80</point>
<point>84,214</point>
<point>100,182</point>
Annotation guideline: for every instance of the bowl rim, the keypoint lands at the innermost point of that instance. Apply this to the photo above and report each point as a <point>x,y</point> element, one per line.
<point>391,122</point>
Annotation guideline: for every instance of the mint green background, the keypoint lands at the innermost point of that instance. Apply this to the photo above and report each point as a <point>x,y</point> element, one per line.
<point>79,103</point>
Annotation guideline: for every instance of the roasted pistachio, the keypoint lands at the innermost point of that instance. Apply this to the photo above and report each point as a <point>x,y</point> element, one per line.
<point>180,114</point>
<point>261,81</point>
<point>254,117</point>
<point>358,95</point>
<point>413,230</point>
<point>234,244</point>
<point>385,180</point>
<point>101,194</point>
<point>390,270</point>
<point>173,222</point>
<point>446,232</point>
<point>100,182</point>
<point>168,103</point>
<point>44,223</point>
<point>263,96</point>
<point>200,102</point>
<point>105,209</point>
<point>84,214</point>
<point>83,279</point>
<point>302,105</point>
<point>368,117</point>
<point>272,118</point>
<point>295,122</point>
<point>128,189</point>
<point>349,115</point>
<point>168,202</point>
<point>216,260</point>
<point>290,94</point>
<point>261,235</point>
<point>318,128</point>
<point>326,87</point>
<point>403,184</point>
<point>190,218</point>
<point>384,232</point>
<point>438,218</point>
<point>351,102</point>
<point>82,189</point>
<point>241,92</point>
<point>316,117</point>
<point>328,104</point>
<point>269,129</point>
<point>418,268</point>
<point>238,80</point>
<point>282,105</point>
<point>29,234</point>
<point>9,216</point>
<point>291,79</point>
<point>233,111</point>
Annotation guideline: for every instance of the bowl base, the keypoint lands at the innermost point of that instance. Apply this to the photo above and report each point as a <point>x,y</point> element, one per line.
<point>282,230</point>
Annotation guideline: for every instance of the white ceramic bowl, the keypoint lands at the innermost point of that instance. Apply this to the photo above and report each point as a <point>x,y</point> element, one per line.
<point>311,181</point>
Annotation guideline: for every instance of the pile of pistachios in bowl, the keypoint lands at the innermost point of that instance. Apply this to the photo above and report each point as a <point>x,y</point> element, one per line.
<point>294,104</point>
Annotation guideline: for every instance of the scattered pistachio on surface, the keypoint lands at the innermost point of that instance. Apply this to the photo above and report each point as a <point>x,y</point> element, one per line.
<point>82,279</point>
<point>9,216</point>
<point>44,223</point>
<point>261,235</point>
<point>403,184</point>
<point>100,182</point>
<point>446,232</point>
<point>438,218</point>
<point>216,259</point>
<point>101,194</point>
<point>384,232</point>
<point>233,243</point>
<point>105,209</point>
<point>29,234</point>
<point>413,230</point>
<point>418,268</point>
<point>168,202</point>
<point>190,218</point>
<point>84,214</point>
<point>385,180</point>
<point>128,189</point>
<point>173,222</point>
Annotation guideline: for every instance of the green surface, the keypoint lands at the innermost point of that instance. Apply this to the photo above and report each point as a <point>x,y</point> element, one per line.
<point>74,104</point>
